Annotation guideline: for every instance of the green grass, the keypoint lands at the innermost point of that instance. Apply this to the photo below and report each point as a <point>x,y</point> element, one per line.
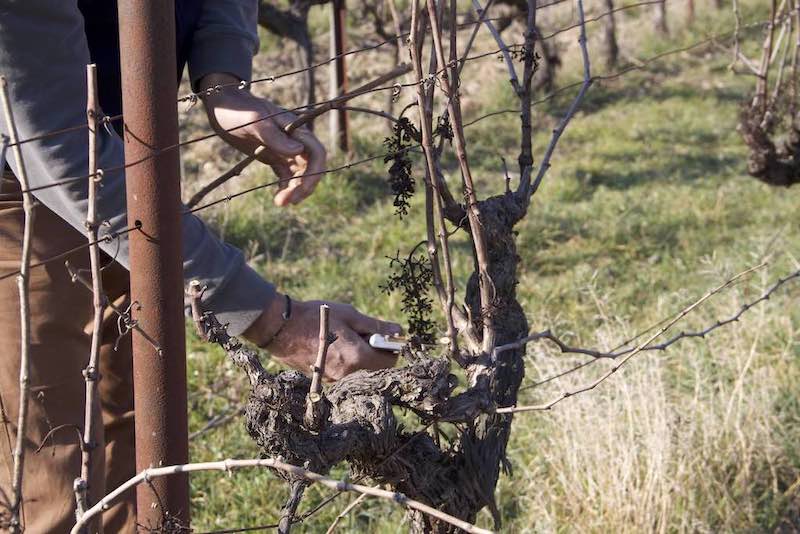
<point>646,207</point>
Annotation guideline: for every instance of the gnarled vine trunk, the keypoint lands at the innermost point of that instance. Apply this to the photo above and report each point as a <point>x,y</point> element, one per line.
<point>354,421</point>
<point>769,122</point>
<point>777,165</point>
<point>360,426</point>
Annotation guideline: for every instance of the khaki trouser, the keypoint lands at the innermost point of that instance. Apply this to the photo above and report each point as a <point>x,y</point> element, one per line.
<point>61,315</point>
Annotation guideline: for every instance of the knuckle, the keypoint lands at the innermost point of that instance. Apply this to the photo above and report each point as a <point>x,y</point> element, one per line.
<point>270,125</point>
<point>336,374</point>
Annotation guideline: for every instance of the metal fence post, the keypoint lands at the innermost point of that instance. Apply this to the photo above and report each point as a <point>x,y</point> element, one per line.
<point>340,128</point>
<point>149,90</point>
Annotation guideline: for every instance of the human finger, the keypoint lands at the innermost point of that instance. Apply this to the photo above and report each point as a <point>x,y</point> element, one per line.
<point>269,134</point>
<point>315,159</point>
<point>354,354</point>
<point>364,324</point>
<point>285,193</point>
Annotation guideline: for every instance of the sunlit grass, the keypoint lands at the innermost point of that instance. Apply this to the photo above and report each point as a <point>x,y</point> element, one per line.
<point>646,207</point>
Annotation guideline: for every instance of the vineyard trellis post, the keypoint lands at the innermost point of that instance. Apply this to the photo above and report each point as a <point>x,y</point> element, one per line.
<point>149,87</point>
<point>339,124</point>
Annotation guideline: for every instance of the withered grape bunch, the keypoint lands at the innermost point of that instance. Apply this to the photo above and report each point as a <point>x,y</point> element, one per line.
<point>412,276</point>
<point>400,178</point>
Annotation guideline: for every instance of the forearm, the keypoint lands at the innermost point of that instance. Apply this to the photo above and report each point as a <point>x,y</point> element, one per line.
<point>43,55</point>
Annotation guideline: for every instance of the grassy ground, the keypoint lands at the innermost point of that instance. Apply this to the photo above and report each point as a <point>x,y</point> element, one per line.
<point>646,207</point>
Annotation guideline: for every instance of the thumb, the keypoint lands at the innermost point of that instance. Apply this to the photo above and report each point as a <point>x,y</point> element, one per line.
<point>278,142</point>
<point>364,324</point>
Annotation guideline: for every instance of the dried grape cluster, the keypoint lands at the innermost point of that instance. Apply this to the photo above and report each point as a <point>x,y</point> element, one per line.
<point>443,128</point>
<point>412,276</point>
<point>521,53</point>
<point>400,178</point>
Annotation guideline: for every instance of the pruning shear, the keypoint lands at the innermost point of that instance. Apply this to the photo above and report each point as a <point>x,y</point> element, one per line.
<point>393,343</point>
<point>390,343</point>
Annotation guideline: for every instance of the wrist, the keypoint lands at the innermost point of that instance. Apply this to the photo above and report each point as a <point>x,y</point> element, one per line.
<point>222,80</point>
<point>270,323</point>
<point>214,79</point>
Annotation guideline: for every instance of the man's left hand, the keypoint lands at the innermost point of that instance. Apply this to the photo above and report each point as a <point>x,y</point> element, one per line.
<point>246,122</point>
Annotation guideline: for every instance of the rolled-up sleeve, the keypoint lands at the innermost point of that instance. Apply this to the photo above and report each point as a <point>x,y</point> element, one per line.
<point>225,40</point>
<point>43,56</point>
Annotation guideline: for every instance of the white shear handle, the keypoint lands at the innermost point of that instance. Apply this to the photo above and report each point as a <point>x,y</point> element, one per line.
<point>381,342</point>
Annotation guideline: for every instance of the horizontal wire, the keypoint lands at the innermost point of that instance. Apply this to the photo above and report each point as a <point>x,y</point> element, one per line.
<point>632,352</point>
<point>461,26</point>
<point>106,239</point>
<point>615,75</point>
<point>607,77</point>
<point>598,17</point>
<point>191,97</point>
<point>194,96</point>
<point>346,166</point>
<point>160,151</point>
<point>550,96</point>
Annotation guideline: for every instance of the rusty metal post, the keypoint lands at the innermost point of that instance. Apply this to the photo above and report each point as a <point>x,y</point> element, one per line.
<point>340,127</point>
<point>149,92</point>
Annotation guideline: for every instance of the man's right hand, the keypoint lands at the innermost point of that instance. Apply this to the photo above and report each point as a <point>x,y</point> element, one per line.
<point>297,341</point>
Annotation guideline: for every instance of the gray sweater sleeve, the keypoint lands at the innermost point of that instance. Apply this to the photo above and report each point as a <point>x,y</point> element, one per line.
<point>43,56</point>
<point>225,39</point>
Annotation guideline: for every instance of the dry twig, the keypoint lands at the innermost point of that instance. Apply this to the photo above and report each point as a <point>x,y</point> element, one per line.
<point>433,198</point>
<point>218,421</point>
<point>23,284</point>
<point>642,346</point>
<point>91,374</point>
<point>473,212</point>
<point>357,501</point>
<point>314,404</point>
<point>230,465</point>
<point>526,188</point>
<point>617,352</point>
<point>512,73</point>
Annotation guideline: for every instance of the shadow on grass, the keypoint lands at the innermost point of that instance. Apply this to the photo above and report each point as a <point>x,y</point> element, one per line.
<point>604,94</point>
<point>679,169</point>
<point>260,228</point>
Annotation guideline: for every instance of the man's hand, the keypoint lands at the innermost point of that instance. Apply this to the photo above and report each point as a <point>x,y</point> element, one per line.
<point>297,341</point>
<point>298,161</point>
